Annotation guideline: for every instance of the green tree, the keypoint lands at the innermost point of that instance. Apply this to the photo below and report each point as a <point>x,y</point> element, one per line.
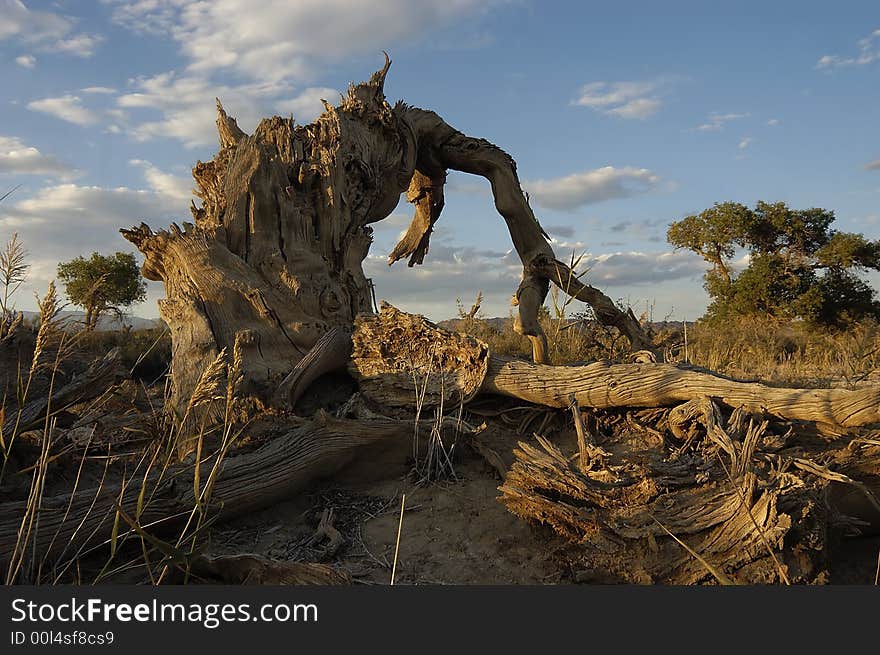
<point>799,266</point>
<point>102,283</point>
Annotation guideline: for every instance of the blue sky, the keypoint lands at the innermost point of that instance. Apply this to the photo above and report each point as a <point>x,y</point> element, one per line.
<point>622,117</point>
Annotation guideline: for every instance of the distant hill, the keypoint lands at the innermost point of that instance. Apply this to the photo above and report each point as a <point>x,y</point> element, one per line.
<point>74,320</point>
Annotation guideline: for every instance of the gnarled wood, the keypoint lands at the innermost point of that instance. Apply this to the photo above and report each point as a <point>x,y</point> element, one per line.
<point>399,361</point>
<point>309,451</point>
<point>389,340</point>
<point>605,385</point>
<point>631,518</point>
<point>89,384</point>
<point>275,254</point>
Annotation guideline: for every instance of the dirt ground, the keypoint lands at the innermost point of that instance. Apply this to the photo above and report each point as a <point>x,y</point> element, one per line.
<point>453,532</point>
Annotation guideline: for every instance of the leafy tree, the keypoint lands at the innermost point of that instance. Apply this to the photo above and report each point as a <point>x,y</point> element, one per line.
<point>799,266</point>
<point>102,283</point>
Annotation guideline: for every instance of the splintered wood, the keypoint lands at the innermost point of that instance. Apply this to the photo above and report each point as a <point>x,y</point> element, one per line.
<point>404,360</point>
<point>643,518</point>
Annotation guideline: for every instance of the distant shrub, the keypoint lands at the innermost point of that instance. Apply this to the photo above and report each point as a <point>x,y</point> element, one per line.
<point>146,353</point>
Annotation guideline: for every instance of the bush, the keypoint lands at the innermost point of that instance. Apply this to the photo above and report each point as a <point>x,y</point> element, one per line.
<point>146,353</point>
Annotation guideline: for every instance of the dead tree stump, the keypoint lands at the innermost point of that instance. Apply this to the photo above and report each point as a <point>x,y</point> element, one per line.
<point>274,256</point>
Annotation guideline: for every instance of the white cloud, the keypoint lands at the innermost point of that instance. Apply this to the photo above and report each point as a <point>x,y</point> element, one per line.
<point>272,41</point>
<point>45,30</point>
<point>869,52</point>
<point>745,142</point>
<point>592,186</point>
<point>67,220</point>
<point>26,61</point>
<point>640,108</point>
<point>306,106</point>
<point>171,187</point>
<point>186,106</point>
<point>623,99</point>
<point>773,122</point>
<point>79,45</point>
<point>268,45</point>
<point>102,90</point>
<point>20,159</point>
<point>31,26</point>
<point>67,108</point>
<point>716,122</point>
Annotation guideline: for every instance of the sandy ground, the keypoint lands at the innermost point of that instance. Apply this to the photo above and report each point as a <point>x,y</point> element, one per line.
<point>453,532</point>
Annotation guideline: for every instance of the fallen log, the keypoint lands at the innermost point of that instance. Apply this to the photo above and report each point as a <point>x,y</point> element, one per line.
<point>604,385</point>
<point>398,357</point>
<point>89,384</point>
<point>312,449</point>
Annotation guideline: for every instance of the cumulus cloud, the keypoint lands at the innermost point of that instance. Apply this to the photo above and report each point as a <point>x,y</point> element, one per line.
<point>45,30</point>
<point>20,159</point>
<point>269,46</point>
<point>307,105</point>
<point>280,40</point>
<point>773,122</point>
<point>716,122</point>
<point>186,107</point>
<point>637,100</point>
<point>19,21</point>
<point>869,52</point>
<point>578,189</point>
<point>67,108</point>
<point>79,45</point>
<point>26,61</point>
<point>173,188</point>
<point>745,142</point>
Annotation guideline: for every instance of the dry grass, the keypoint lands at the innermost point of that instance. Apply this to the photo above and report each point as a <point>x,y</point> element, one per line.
<point>790,354</point>
<point>193,443</point>
<point>780,353</point>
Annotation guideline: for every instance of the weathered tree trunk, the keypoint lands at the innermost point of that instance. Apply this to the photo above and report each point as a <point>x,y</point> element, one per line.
<point>395,353</point>
<point>640,518</point>
<point>275,254</point>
